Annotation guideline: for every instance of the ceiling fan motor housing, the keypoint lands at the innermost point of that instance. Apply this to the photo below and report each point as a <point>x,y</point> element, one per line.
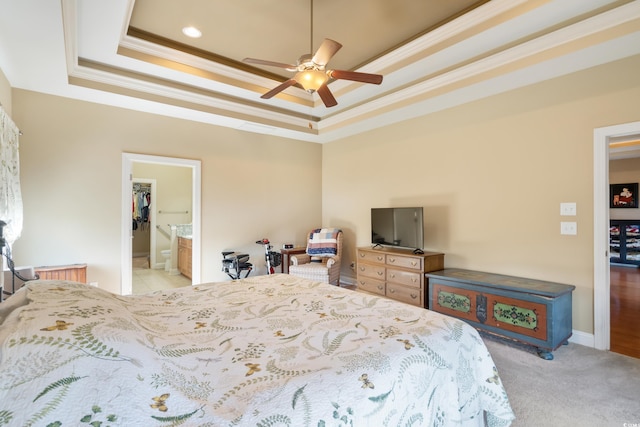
<point>305,62</point>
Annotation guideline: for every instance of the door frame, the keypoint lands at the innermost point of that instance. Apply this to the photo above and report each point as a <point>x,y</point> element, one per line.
<point>601,273</point>
<point>126,230</point>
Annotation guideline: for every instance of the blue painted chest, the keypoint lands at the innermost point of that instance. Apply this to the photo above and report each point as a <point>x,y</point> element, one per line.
<point>535,312</point>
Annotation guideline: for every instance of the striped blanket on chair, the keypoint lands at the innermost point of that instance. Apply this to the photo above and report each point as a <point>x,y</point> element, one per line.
<point>323,242</point>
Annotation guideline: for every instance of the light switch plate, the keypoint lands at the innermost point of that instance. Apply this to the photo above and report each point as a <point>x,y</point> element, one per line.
<point>569,228</point>
<point>568,209</point>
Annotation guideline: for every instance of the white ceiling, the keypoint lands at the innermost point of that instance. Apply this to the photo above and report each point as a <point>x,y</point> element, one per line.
<point>131,54</point>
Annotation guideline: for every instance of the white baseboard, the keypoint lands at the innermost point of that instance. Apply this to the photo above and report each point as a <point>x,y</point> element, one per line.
<point>347,281</point>
<point>582,338</point>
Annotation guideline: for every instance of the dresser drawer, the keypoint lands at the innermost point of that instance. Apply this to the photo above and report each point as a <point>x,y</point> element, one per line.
<point>372,270</point>
<point>414,263</point>
<point>371,285</point>
<point>403,277</point>
<point>396,273</point>
<point>375,257</point>
<point>406,294</point>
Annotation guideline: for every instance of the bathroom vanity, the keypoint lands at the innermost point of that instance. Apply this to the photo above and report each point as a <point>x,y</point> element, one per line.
<point>184,256</point>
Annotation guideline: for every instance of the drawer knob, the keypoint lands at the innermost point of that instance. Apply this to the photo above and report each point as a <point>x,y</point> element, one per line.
<point>392,260</point>
<point>414,296</point>
<point>393,276</point>
<point>380,287</point>
<point>414,280</point>
<point>362,268</point>
<point>361,255</point>
<point>380,273</point>
<point>414,263</point>
<point>379,258</point>
<point>392,290</point>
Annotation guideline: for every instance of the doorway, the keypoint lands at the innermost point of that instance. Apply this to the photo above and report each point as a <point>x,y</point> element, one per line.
<point>128,161</point>
<point>601,271</point>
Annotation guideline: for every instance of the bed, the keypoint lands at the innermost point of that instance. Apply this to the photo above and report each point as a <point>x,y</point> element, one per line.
<point>261,351</point>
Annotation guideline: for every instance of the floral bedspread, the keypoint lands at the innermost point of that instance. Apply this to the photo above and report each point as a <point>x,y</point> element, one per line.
<point>261,351</point>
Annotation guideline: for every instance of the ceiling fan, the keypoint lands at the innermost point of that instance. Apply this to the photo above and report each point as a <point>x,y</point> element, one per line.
<point>311,72</point>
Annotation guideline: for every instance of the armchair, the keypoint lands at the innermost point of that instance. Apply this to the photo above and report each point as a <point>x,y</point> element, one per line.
<point>321,261</point>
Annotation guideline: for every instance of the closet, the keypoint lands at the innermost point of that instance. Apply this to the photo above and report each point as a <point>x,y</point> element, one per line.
<point>141,221</point>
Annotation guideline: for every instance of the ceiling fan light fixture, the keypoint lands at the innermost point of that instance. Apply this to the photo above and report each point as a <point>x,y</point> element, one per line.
<point>311,80</point>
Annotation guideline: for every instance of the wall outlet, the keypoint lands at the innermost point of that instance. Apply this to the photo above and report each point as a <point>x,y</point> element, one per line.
<point>568,228</point>
<point>568,209</point>
<point>94,284</point>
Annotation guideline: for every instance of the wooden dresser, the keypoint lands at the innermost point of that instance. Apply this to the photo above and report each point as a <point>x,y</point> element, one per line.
<point>535,312</point>
<point>395,273</point>
<point>184,256</point>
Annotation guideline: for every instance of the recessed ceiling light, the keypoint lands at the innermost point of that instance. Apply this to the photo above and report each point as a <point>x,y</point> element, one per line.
<point>192,32</point>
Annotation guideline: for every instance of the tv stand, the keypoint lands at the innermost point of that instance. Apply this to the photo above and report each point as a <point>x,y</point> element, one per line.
<point>396,273</point>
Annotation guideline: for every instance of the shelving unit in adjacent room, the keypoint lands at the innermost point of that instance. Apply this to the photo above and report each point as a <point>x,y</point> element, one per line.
<point>624,241</point>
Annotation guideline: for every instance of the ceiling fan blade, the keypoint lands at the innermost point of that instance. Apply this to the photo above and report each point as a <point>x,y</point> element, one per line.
<point>355,76</point>
<point>276,90</point>
<point>288,67</point>
<point>325,52</point>
<point>326,96</point>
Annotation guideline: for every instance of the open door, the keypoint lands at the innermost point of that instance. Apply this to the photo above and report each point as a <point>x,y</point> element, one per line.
<point>126,229</point>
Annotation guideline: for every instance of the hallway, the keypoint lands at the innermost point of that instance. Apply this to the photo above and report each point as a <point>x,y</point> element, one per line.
<point>625,310</point>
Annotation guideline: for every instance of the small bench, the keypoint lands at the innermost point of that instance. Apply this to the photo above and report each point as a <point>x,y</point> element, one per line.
<point>534,312</point>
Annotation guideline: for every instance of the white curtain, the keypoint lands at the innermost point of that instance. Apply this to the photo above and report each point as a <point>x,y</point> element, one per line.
<point>10,195</point>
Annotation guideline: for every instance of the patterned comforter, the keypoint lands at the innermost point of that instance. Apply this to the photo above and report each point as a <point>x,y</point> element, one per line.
<point>261,351</point>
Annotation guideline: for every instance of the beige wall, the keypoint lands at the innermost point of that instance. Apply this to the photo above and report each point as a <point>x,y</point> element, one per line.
<point>491,176</point>
<point>620,172</point>
<point>71,164</point>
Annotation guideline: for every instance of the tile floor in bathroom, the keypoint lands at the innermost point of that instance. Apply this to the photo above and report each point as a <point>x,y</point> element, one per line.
<point>145,279</point>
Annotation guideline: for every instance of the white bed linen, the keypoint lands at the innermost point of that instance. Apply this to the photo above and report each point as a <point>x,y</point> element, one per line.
<point>261,351</point>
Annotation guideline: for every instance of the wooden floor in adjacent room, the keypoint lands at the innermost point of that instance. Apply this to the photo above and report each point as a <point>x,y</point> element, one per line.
<point>625,310</point>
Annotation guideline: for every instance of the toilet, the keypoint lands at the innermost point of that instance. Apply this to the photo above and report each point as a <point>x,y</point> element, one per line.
<point>166,254</point>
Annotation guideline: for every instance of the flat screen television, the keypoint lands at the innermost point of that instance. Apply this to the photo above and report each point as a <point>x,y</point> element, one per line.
<point>398,227</point>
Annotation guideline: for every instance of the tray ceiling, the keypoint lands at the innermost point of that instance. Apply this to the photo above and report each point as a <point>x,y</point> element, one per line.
<point>433,54</point>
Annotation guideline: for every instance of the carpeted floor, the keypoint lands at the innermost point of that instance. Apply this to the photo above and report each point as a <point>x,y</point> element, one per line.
<point>581,386</point>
